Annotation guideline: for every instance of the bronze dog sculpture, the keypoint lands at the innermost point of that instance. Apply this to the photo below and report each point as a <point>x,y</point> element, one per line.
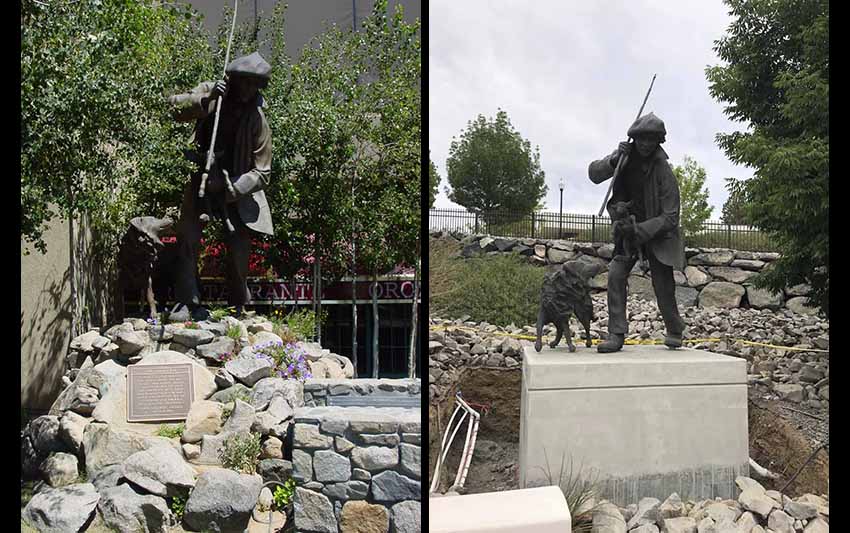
<point>140,249</point>
<point>565,292</point>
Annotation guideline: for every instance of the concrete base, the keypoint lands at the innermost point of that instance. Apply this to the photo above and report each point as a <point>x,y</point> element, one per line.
<point>643,422</point>
<point>538,510</point>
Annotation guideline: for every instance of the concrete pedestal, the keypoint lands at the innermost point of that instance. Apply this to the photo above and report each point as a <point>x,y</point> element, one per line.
<point>644,422</point>
<point>537,510</point>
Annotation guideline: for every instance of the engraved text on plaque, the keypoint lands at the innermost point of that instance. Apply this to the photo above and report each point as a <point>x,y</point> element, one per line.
<point>159,392</point>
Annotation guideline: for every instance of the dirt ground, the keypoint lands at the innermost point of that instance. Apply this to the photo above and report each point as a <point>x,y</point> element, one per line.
<point>782,437</point>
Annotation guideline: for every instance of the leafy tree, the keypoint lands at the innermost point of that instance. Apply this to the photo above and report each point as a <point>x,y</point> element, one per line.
<point>96,135</point>
<point>433,182</point>
<point>735,207</point>
<point>491,167</point>
<point>776,79</point>
<point>694,198</point>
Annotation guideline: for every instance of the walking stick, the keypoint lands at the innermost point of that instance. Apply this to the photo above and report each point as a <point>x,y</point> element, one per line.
<point>623,159</point>
<point>211,152</point>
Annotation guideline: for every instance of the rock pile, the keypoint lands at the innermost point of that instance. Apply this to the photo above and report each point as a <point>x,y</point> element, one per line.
<point>755,511</point>
<point>800,375</point>
<point>91,460</point>
<point>713,277</point>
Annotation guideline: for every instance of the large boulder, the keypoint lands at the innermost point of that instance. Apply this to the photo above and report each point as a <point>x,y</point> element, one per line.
<point>44,434</point>
<point>222,501</point>
<point>249,369</point>
<point>71,429</point>
<point>267,388</point>
<point>641,287</point>
<point>131,342</point>
<point>204,380</point>
<point>215,351</point>
<point>61,510</point>
<point>112,408</point>
<point>763,298</point>
<point>127,511</point>
<point>696,276</point>
<point>192,338</point>
<point>721,294</point>
<point>204,418</point>
<point>60,469</point>
<point>731,274</point>
<point>607,518</point>
<point>720,258</point>
<point>104,445</point>
<point>800,305</point>
<point>160,470</point>
<point>686,296</point>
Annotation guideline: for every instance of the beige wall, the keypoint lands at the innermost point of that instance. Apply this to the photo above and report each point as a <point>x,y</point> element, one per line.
<point>47,307</point>
<point>45,318</point>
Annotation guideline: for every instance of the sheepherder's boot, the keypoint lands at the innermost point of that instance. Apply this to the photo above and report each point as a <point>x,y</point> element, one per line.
<point>673,340</point>
<point>613,344</point>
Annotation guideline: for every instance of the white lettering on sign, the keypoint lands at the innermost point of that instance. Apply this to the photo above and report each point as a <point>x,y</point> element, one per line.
<point>407,289</point>
<point>392,289</point>
<point>376,290</point>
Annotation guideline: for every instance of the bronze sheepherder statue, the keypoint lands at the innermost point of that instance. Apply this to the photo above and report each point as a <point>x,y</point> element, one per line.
<point>231,188</point>
<point>646,186</point>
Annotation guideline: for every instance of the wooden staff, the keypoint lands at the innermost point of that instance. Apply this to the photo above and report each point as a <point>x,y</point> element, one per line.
<point>211,152</point>
<point>621,162</point>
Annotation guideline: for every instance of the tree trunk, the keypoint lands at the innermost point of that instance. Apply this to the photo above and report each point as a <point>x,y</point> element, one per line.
<point>354,307</point>
<point>375,325</point>
<point>319,301</point>
<point>411,369</point>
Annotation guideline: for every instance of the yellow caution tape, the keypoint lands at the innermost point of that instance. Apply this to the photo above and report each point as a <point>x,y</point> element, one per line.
<point>628,341</point>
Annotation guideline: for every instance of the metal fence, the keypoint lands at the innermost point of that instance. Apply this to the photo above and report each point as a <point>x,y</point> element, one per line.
<point>584,228</point>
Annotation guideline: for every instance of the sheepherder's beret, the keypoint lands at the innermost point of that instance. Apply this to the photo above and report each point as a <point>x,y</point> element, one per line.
<point>648,125</point>
<point>252,65</point>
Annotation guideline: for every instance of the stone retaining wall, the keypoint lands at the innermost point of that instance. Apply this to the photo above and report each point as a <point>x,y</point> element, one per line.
<point>357,466</point>
<point>374,392</point>
<point>713,277</point>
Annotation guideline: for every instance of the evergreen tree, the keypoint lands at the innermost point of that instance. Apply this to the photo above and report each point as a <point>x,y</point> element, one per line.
<point>776,79</point>
<point>735,207</point>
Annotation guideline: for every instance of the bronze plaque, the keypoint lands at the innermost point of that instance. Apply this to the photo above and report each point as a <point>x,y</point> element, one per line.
<point>159,392</point>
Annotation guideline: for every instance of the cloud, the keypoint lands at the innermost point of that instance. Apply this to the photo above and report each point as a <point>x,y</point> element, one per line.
<point>571,75</point>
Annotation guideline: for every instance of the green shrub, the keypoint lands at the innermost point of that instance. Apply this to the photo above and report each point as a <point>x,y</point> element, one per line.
<point>234,332</point>
<point>501,289</point>
<point>283,494</point>
<point>171,430</point>
<point>178,506</point>
<point>302,323</point>
<point>191,325</point>
<point>241,453</point>
<point>581,490</point>
<point>220,312</point>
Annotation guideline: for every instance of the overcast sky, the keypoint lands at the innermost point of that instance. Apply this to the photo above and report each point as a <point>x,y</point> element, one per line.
<point>571,75</point>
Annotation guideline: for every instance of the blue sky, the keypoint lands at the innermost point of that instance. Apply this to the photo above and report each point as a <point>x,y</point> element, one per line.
<point>571,75</point>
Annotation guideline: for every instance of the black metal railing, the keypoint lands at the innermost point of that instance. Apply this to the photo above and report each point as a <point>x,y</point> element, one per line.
<point>584,228</point>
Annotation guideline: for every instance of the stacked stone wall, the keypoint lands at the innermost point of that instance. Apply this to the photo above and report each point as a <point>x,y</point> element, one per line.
<point>713,277</point>
<point>357,465</point>
<point>319,392</point>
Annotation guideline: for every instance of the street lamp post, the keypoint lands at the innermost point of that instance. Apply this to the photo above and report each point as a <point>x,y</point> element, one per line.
<point>561,215</point>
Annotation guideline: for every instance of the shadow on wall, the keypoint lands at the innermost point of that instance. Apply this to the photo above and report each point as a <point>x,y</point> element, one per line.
<point>45,336</point>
